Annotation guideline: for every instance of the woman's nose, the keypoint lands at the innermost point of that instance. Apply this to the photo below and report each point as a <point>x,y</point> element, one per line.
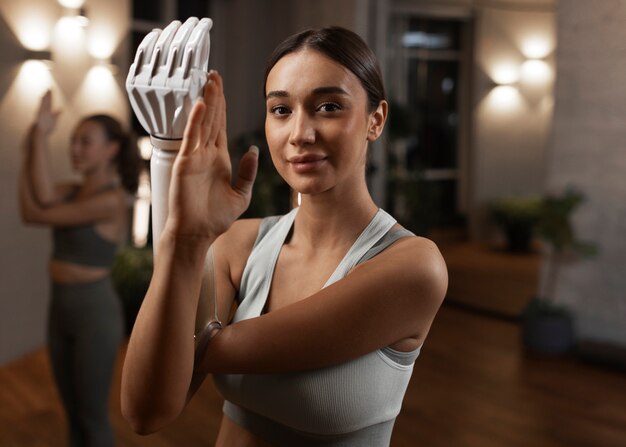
<point>303,130</point>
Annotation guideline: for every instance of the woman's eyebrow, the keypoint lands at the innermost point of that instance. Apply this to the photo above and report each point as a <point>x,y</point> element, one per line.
<point>316,91</point>
<point>277,94</point>
<point>329,90</point>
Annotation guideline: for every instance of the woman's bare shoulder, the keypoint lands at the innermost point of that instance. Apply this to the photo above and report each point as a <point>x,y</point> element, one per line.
<point>235,245</point>
<point>417,260</point>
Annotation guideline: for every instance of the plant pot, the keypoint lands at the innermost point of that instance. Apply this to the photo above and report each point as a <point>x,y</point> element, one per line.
<point>548,333</point>
<point>519,238</point>
<point>131,274</point>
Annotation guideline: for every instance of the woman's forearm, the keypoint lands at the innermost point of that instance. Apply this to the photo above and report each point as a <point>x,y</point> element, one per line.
<point>39,170</point>
<point>159,360</point>
<point>29,208</point>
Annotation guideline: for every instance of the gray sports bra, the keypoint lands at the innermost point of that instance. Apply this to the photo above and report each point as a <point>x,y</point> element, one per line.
<point>351,404</point>
<point>82,244</point>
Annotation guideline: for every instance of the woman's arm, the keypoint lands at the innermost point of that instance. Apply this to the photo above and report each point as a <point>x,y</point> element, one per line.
<point>40,173</point>
<point>203,204</point>
<point>97,208</point>
<point>159,360</point>
<point>387,299</point>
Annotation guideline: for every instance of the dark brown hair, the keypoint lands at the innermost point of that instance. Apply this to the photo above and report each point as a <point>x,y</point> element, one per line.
<point>127,159</point>
<point>344,47</point>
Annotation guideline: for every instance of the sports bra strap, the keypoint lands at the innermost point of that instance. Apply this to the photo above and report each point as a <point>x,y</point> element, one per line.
<point>375,230</point>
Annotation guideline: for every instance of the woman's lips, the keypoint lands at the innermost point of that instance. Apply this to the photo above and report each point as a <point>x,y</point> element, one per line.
<point>306,163</point>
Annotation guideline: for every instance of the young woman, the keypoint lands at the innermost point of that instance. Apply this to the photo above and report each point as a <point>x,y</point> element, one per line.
<point>89,221</point>
<point>333,300</point>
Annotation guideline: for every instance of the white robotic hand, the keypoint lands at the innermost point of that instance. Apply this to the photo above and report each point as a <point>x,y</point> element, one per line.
<point>168,74</point>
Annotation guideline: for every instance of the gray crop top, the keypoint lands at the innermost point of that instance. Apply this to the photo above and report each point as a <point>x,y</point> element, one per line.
<point>351,404</point>
<point>81,244</point>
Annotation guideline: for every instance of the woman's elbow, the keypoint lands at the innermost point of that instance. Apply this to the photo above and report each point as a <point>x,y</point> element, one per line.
<point>149,415</point>
<point>147,422</point>
<point>27,218</point>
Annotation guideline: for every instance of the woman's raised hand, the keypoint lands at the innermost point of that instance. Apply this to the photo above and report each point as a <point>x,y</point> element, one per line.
<point>203,202</point>
<point>46,119</point>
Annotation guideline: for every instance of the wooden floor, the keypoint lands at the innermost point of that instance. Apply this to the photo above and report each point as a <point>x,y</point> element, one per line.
<point>473,386</point>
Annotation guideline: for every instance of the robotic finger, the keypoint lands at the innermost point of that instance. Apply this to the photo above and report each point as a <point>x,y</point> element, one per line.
<point>167,75</point>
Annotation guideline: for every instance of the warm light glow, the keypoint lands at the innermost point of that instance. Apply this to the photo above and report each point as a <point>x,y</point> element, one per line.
<point>72,4</point>
<point>34,33</point>
<point>299,199</point>
<point>70,35</point>
<point>504,98</point>
<point>536,72</point>
<point>100,91</point>
<point>145,147</point>
<point>34,79</point>
<point>100,83</point>
<point>141,213</point>
<point>101,45</point>
<point>536,47</point>
<point>505,73</point>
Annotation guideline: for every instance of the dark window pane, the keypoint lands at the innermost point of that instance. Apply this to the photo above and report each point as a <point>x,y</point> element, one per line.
<point>149,10</point>
<point>192,8</point>
<point>432,34</point>
<point>432,93</point>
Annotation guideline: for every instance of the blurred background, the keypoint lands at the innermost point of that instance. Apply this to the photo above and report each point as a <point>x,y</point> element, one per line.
<point>505,144</point>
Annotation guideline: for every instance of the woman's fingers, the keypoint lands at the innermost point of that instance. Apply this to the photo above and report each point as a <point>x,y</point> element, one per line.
<point>206,126</point>
<point>46,100</point>
<point>214,122</point>
<point>247,171</point>
<point>221,140</point>
<point>193,129</point>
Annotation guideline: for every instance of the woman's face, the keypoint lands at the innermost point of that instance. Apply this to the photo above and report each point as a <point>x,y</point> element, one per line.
<point>317,123</point>
<point>90,149</point>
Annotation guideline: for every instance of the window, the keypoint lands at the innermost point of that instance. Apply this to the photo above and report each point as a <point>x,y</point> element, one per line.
<point>427,121</point>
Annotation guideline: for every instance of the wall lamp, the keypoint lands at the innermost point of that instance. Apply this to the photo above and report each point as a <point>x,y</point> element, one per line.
<point>75,12</point>
<point>529,72</point>
<point>38,55</point>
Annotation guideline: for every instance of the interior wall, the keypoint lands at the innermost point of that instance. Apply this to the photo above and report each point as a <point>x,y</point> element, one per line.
<point>512,110</point>
<point>588,152</point>
<point>80,86</point>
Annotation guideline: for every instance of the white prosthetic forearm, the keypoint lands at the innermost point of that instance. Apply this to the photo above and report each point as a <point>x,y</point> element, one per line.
<point>167,76</point>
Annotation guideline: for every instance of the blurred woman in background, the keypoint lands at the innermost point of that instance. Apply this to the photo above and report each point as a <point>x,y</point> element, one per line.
<point>89,222</point>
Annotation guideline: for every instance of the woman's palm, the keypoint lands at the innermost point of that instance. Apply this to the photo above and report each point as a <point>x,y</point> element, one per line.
<point>203,202</point>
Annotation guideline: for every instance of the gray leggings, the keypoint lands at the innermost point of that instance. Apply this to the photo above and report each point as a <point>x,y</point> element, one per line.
<point>84,333</point>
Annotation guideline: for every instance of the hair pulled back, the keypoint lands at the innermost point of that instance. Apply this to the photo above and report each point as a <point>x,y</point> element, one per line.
<point>344,47</point>
<point>127,160</point>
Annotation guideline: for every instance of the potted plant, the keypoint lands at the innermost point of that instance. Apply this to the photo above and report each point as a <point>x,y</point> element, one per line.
<point>131,274</point>
<point>517,216</point>
<point>546,326</point>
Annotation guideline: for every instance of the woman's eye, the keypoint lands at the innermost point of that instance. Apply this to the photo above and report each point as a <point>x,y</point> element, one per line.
<point>329,107</point>
<point>279,110</point>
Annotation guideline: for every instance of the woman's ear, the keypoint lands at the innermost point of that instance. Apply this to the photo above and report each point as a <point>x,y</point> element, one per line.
<point>377,121</point>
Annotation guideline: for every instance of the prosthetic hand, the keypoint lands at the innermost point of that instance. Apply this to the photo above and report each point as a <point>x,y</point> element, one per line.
<point>167,76</point>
